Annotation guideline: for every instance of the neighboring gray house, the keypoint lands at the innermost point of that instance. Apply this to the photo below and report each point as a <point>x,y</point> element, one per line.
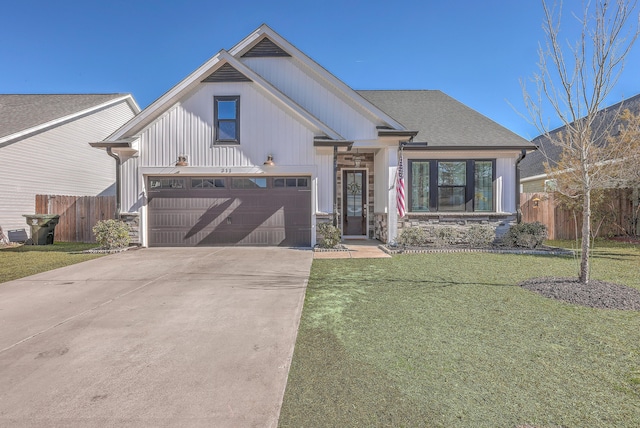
<point>533,177</point>
<point>43,148</point>
<point>261,144</point>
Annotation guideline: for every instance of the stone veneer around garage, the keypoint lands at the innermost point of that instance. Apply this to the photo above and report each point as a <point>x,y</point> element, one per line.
<point>133,221</point>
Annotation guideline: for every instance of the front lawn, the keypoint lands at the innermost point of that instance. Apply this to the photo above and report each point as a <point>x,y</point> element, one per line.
<point>449,340</point>
<point>25,260</point>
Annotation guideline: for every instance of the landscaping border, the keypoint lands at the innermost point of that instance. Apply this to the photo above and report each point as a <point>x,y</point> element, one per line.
<point>548,251</point>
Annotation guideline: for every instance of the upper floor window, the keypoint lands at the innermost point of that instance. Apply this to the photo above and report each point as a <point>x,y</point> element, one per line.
<point>226,112</point>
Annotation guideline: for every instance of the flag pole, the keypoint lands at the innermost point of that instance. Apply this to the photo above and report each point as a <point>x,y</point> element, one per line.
<point>400,188</point>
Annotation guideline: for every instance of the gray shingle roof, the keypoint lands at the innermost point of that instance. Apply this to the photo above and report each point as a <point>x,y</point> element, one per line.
<point>442,121</point>
<point>533,164</point>
<point>20,112</point>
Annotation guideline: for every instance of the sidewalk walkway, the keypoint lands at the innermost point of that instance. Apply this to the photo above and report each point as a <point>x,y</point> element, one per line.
<point>356,249</point>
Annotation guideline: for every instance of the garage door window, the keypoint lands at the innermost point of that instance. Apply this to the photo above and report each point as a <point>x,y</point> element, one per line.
<point>167,183</point>
<point>291,182</point>
<point>249,183</point>
<point>207,183</point>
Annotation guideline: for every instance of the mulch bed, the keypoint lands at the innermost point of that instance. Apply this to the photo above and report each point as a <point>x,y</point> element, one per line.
<point>595,294</point>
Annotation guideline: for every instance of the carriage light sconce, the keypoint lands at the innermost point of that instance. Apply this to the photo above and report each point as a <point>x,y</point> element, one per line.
<point>269,161</point>
<point>182,161</point>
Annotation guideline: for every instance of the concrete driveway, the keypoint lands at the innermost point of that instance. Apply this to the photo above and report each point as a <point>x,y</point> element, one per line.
<point>153,337</point>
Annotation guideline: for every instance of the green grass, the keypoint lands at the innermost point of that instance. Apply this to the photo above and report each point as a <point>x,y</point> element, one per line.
<point>449,340</point>
<point>25,260</point>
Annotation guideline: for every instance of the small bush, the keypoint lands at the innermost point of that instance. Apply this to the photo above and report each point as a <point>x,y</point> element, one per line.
<point>111,234</point>
<point>480,235</point>
<point>445,236</point>
<point>412,237</point>
<point>330,235</point>
<point>527,235</point>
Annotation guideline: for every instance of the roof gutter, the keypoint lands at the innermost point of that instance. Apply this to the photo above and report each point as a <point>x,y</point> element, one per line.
<point>425,146</point>
<point>396,133</point>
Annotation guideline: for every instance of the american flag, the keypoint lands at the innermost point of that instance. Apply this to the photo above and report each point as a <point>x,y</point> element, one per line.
<point>400,189</point>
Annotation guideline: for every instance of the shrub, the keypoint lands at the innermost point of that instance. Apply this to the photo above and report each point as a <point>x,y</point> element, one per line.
<point>528,235</point>
<point>480,235</point>
<point>111,234</point>
<point>412,237</point>
<point>330,235</point>
<point>445,236</point>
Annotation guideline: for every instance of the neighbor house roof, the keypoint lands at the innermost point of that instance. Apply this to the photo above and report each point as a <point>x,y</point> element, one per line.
<point>533,164</point>
<point>442,122</point>
<point>24,114</point>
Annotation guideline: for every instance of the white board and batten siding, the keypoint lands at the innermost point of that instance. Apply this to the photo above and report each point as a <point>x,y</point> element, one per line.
<point>58,161</point>
<point>265,128</point>
<point>317,97</point>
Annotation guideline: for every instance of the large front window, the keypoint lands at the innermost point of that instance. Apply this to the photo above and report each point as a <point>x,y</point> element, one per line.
<point>452,185</point>
<point>227,120</point>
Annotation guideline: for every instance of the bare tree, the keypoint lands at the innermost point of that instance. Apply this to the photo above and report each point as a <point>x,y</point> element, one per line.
<point>574,80</point>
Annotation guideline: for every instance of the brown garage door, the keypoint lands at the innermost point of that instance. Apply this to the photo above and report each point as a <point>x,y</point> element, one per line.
<point>206,211</point>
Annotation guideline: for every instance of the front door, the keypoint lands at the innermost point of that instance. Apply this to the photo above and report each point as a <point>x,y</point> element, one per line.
<point>354,200</point>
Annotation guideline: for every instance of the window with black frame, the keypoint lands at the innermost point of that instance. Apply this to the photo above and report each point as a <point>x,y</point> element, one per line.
<point>451,185</point>
<point>227,119</point>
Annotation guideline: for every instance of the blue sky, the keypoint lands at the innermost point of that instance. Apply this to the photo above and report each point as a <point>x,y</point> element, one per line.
<point>475,51</point>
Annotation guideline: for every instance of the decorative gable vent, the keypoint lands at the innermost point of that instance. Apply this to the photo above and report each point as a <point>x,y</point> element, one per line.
<point>265,48</point>
<point>227,73</point>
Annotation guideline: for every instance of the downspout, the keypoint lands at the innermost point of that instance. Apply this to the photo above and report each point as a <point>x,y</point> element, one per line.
<point>523,154</point>
<point>118,182</point>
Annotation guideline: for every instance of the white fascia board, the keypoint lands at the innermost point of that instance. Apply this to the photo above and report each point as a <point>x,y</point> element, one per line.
<point>159,106</point>
<point>533,178</point>
<point>323,73</point>
<point>64,119</point>
<point>278,96</point>
<point>133,104</point>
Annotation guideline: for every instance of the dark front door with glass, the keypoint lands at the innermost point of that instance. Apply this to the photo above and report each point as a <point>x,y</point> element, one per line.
<point>354,191</point>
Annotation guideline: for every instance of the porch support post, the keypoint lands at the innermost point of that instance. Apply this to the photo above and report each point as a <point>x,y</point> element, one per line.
<point>392,218</point>
<point>335,186</point>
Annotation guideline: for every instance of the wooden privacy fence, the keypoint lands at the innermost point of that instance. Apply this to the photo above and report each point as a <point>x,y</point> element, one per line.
<point>78,214</point>
<point>561,222</point>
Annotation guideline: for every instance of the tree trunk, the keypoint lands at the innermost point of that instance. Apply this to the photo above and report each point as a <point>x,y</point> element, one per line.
<point>586,237</point>
<point>635,217</point>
